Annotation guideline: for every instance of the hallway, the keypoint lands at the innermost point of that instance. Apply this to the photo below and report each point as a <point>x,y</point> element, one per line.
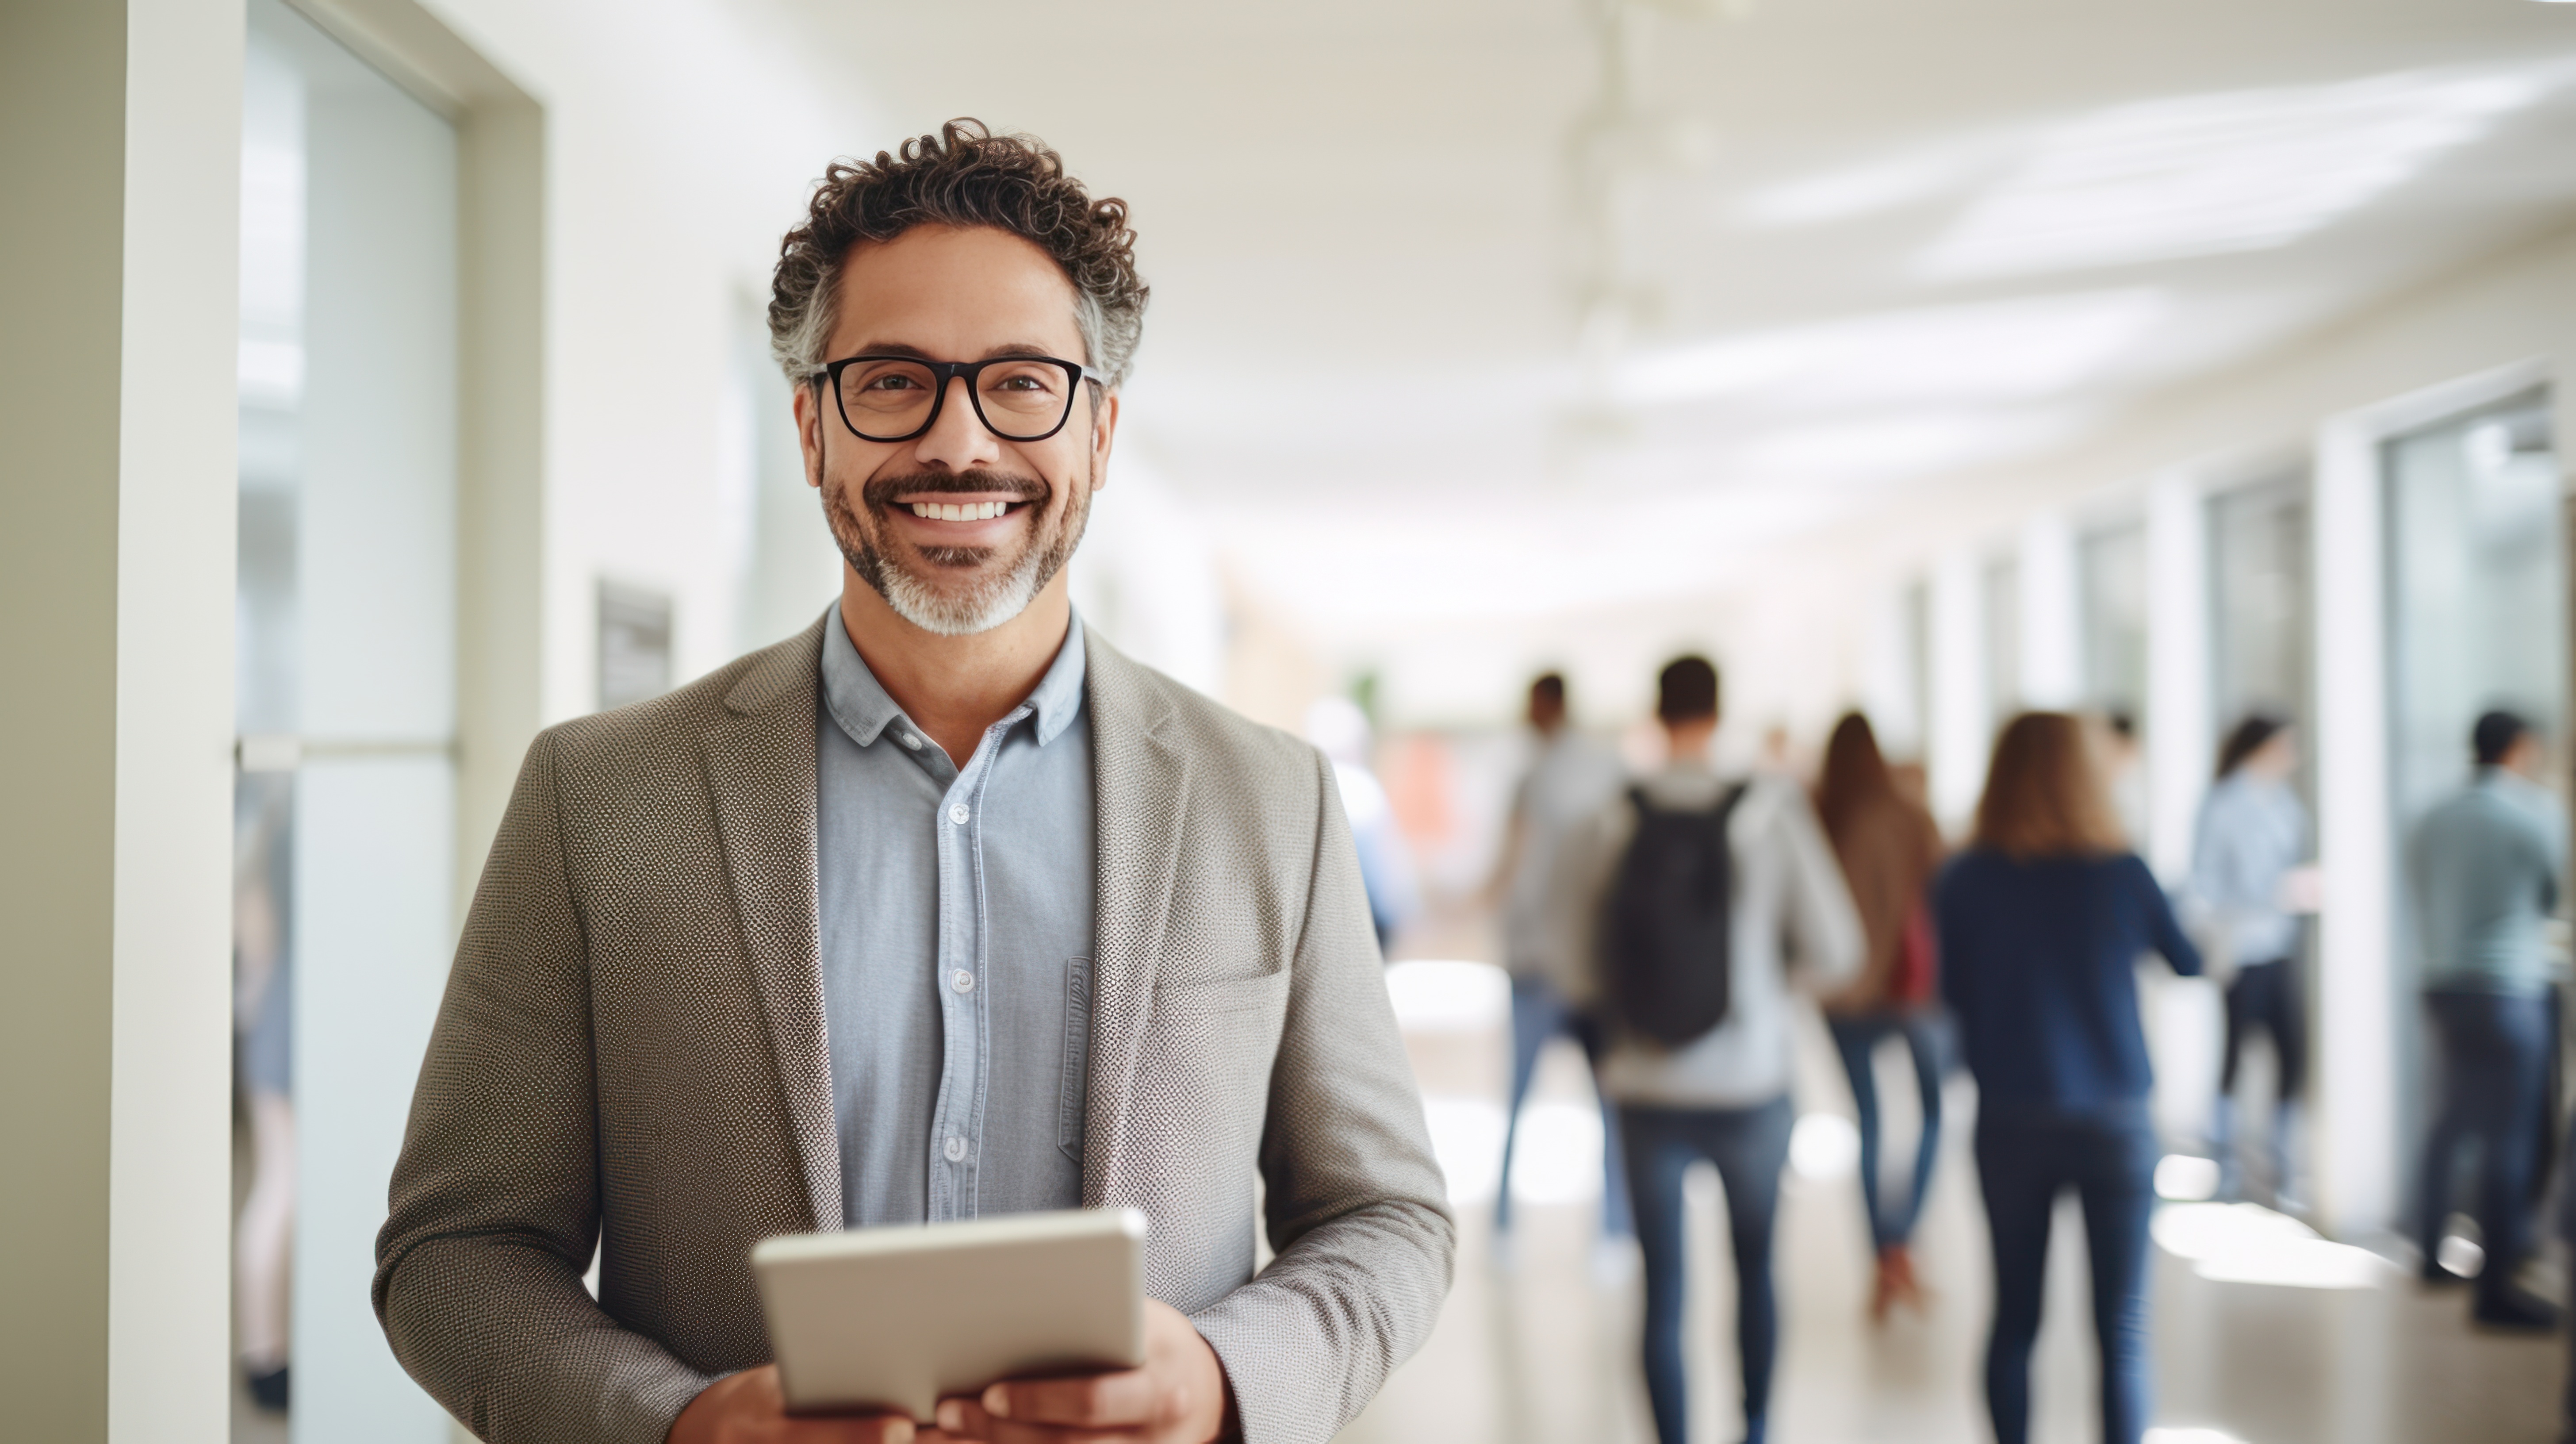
<point>1544,1349</point>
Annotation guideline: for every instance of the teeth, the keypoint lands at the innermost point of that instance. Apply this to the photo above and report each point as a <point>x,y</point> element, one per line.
<point>952,511</point>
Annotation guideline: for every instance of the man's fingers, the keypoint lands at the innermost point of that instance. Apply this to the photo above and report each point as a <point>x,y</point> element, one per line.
<point>1125,1398</point>
<point>872,1429</point>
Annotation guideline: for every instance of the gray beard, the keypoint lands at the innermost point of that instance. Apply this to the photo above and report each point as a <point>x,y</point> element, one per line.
<point>989,600</point>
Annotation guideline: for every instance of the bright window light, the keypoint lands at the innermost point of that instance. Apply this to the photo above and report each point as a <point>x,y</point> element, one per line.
<point>1557,1158</point>
<point>2212,174</point>
<point>2245,1243</point>
<point>2182,1177</point>
<point>1824,1147</point>
<point>2191,1436</point>
<point>2016,350</point>
<point>1448,997</point>
<point>1467,1138</point>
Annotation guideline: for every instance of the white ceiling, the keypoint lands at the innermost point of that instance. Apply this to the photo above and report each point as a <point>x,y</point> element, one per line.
<point>1878,242</point>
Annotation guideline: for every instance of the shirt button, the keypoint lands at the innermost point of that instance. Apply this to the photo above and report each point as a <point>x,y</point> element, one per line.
<point>956,1150</point>
<point>962,980</point>
<point>911,741</point>
<point>959,814</point>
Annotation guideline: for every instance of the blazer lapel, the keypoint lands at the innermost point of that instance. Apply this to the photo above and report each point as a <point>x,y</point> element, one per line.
<point>1140,784</point>
<point>760,770</point>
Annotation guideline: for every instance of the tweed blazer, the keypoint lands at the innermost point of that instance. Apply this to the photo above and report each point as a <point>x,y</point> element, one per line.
<point>630,1055</point>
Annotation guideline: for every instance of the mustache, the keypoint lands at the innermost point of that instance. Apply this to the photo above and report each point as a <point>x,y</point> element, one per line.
<point>881,492</point>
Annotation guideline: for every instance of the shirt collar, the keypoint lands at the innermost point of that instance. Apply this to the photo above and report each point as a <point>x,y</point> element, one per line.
<point>862,707</point>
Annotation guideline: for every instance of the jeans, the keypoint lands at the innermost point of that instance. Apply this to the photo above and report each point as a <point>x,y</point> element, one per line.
<point>2024,1158</point>
<point>2495,1068</point>
<point>1749,1146</point>
<point>1926,1037</point>
<point>1539,1013</point>
<point>2271,996</point>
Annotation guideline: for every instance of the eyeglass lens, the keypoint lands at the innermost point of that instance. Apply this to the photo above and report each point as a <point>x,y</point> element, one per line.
<point>891,400</point>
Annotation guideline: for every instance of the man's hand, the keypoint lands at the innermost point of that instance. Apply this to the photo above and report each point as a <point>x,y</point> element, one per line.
<point>748,1408</point>
<point>1179,1397</point>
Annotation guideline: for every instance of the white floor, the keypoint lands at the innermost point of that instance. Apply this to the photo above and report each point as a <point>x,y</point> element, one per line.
<point>1544,1348</point>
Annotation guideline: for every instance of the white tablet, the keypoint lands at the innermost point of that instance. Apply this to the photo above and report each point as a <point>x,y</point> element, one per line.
<point>899,1317</point>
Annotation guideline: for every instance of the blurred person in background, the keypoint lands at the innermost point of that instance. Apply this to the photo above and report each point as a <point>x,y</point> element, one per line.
<point>1889,848</point>
<point>2484,867</point>
<point>2250,879</point>
<point>2041,922</point>
<point>2124,764</point>
<point>1340,730</point>
<point>1570,779</point>
<point>1705,889</point>
<point>264,1067</point>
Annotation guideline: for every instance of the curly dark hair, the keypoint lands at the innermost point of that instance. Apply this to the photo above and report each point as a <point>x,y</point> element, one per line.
<point>963,176</point>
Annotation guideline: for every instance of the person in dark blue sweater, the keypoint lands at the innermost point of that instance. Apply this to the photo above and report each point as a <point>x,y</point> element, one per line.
<point>2042,920</point>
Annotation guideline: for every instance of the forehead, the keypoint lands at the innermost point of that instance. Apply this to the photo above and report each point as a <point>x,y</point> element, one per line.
<point>956,293</point>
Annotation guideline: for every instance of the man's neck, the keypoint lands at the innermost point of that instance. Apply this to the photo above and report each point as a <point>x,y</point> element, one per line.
<point>955,687</point>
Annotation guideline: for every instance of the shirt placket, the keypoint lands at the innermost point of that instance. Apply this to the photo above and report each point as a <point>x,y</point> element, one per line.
<point>957,1129</point>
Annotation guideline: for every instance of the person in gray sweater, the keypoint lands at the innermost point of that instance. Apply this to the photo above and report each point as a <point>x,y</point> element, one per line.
<point>1724,1095</point>
<point>2484,868</point>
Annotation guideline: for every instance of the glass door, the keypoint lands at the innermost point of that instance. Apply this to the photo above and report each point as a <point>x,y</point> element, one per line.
<point>346,621</point>
<point>2262,614</point>
<point>2477,602</point>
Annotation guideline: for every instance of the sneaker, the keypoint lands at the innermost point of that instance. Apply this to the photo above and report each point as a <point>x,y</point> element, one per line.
<point>2516,1309</point>
<point>268,1389</point>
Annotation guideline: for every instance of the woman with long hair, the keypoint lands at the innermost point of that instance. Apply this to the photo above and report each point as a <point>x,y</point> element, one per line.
<point>2247,873</point>
<point>2041,922</point>
<point>1889,848</point>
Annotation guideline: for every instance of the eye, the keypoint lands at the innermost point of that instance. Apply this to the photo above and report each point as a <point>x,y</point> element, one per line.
<point>891,381</point>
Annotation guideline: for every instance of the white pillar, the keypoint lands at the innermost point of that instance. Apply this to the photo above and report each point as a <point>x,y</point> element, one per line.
<point>2052,648</point>
<point>2356,1146</point>
<point>2179,744</point>
<point>1960,726</point>
<point>120,127</point>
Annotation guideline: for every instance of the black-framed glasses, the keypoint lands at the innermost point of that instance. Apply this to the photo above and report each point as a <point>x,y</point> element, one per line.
<point>896,398</point>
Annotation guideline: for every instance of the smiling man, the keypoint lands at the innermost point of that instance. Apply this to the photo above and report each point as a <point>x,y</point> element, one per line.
<point>939,909</point>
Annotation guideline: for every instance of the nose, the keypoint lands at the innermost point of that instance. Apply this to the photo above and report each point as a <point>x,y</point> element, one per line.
<point>958,440</point>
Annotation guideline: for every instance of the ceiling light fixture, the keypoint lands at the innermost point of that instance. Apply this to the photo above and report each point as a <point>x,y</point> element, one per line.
<point>2015,350</point>
<point>2212,174</point>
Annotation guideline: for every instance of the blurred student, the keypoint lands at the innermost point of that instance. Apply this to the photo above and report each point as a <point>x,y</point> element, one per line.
<point>2042,920</point>
<point>2248,870</point>
<point>1705,888</point>
<point>1889,848</point>
<point>1340,730</point>
<point>2485,866</point>
<point>1569,781</point>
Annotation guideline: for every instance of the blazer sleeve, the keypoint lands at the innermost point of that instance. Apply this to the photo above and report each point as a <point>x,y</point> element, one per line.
<point>1355,1205</point>
<point>495,1197</point>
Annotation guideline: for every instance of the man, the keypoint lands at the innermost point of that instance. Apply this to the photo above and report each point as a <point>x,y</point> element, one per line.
<point>1546,947</point>
<point>2485,867</point>
<point>941,908</point>
<point>1723,1095</point>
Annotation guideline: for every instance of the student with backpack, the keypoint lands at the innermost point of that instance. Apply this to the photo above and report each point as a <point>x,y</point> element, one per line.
<point>1705,889</point>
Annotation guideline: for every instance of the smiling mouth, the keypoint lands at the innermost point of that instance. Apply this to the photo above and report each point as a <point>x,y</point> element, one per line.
<point>961,511</point>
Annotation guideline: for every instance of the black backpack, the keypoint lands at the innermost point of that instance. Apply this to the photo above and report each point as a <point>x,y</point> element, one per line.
<point>1670,967</point>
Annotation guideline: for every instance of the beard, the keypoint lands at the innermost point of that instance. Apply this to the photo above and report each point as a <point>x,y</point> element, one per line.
<point>955,591</point>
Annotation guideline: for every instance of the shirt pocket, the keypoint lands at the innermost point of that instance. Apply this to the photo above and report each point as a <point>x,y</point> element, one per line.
<point>1073,1087</point>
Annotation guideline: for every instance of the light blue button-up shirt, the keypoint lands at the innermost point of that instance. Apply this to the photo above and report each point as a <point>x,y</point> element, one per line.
<point>2485,868</point>
<point>2252,832</point>
<point>956,947</point>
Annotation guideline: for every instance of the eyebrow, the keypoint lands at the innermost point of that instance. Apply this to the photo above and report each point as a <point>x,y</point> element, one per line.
<point>993,353</point>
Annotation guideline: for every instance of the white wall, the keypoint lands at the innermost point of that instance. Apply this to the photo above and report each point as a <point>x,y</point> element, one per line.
<point>681,140</point>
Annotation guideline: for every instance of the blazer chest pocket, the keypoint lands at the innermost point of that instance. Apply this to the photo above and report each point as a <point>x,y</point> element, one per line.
<point>1230,998</point>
